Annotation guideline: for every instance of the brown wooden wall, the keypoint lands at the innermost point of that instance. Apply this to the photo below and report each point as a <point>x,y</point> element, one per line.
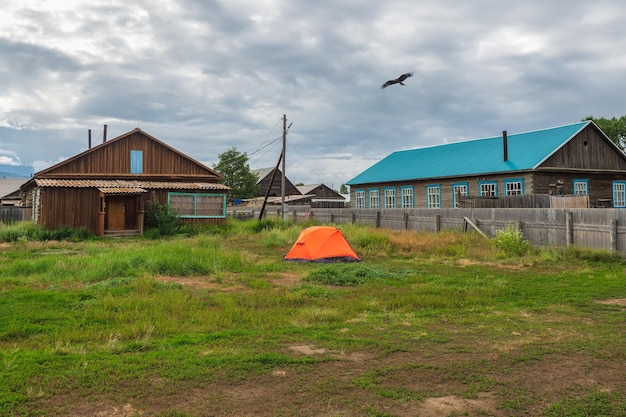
<point>72,207</point>
<point>290,189</point>
<point>587,150</point>
<point>114,158</point>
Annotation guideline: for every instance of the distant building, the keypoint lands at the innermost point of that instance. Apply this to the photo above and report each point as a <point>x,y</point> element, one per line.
<point>10,194</point>
<point>265,176</point>
<point>322,196</point>
<point>575,159</point>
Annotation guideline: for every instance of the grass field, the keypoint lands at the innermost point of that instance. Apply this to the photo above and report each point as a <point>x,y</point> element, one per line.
<point>215,324</point>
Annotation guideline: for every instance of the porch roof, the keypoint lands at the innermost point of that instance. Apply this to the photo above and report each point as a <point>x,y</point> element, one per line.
<point>134,185</point>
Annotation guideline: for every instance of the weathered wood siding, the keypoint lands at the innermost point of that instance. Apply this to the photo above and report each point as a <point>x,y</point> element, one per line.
<point>113,158</point>
<point>71,207</point>
<point>10,214</point>
<point>589,151</point>
<point>275,191</point>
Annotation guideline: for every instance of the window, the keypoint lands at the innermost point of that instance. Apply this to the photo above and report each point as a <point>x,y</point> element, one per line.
<point>580,187</point>
<point>488,188</point>
<point>390,198</point>
<point>191,205</point>
<point>136,162</point>
<point>514,187</point>
<point>458,189</point>
<point>359,199</point>
<point>619,193</point>
<point>374,199</point>
<point>433,196</point>
<point>406,197</point>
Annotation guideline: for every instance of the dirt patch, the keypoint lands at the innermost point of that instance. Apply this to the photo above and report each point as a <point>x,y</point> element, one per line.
<point>307,350</point>
<point>613,301</point>
<point>451,405</point>
<point>286,280</point>
<point>200,283</point>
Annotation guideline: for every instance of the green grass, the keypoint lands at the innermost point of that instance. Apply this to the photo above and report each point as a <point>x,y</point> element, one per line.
<point>102,321</point>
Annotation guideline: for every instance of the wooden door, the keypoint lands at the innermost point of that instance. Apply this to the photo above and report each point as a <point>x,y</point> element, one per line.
<point>115,213</point>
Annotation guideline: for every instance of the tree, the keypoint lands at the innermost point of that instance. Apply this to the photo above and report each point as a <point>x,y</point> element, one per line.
<point>343,189</point>
<point>233,165</point>
<point>614,128</point>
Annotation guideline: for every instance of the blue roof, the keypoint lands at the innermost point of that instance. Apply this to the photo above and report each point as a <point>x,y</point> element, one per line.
<point>481,156</point>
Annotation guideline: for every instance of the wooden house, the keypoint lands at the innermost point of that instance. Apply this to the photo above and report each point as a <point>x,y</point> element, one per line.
<point>265,177</point>
<point>576,159</point>
<point>322,196</point>
<point>106,189</point>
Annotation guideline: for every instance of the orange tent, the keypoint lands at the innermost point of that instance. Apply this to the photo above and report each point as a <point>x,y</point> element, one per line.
<point>321,244</point>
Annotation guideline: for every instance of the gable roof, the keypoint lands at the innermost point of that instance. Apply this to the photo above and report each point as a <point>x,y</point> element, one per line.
<point>120,138</point>
<point>307,188</point>
<point>481,156</point>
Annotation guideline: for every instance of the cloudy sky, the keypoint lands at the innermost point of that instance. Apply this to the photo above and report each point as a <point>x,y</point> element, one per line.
<point>206,75</point>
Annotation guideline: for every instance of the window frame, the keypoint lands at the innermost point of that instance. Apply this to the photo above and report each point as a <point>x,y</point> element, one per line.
<point>577,181</point>
<point>455,204</point>
<point>389,203</point>
<point>622,203</point>
<point>136,161</point>
<point>359,199</point>
<point>488,182</point>
<point>373,194</point>
<point>508,182</point>
<point>404,197</point>
<point>195,205</point>
<point>433,204</point>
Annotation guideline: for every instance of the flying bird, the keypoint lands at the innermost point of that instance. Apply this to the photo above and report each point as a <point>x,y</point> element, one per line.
<point>397,80</point>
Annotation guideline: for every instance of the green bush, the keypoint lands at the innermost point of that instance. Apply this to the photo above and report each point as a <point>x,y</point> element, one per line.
<point>511,241</point>
<point>159,216</point>
<point>346,274</point>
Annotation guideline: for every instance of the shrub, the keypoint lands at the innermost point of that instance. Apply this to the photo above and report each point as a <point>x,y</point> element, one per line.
<point>159,216</point>
<point>511,241</point>
<point>346,274</point>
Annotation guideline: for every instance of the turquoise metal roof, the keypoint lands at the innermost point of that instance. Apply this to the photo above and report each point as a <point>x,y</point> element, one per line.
<point>481,156</point>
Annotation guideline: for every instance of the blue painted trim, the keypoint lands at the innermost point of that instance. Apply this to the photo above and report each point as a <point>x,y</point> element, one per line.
<point>407,187</point>
<point>623,205</point>
<point>395,197</point>
<point>510,180</point>
<point>360,190</point>
<point>369,196</point>
<point>431,186</point>
<point>580,180</point>
<point>488,182</point>
<point>456,184</point>
<point>136,161</point>
<point>195,196</point>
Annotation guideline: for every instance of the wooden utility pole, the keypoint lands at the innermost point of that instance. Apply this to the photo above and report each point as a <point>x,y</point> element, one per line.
<point>282,179</point>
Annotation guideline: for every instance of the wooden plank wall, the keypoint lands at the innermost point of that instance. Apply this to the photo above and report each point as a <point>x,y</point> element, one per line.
<point>9,214</point>
<point>591,228</point>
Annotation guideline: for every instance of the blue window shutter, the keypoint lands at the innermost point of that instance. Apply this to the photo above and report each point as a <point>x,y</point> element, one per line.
<point>136,162</point>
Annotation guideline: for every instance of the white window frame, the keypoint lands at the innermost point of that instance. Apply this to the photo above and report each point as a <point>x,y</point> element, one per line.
<point>514,186</point>
<point>390,198</point>
<point>463,187</point>
<point>488,188</point>
<point>374,199</point>
<point>619,194</point>
<point>359,199</point>
<point>406,197</point>
<point>433,196</point>
<point>580,187</point>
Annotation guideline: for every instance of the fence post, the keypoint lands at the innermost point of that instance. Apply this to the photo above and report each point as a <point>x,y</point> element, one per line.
<point>437,223</point>
<point>332,217</point>
<point>614,234</point>
<point>353,216</point>
<point>569,229</point>
<point>378,219</point>
<point>406,220</point>
<point>295,216</point>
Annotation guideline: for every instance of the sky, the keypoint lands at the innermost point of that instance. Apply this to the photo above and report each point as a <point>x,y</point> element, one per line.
<point>204,76</point>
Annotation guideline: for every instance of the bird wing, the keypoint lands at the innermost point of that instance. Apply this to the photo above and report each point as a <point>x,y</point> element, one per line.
<point>388,83</point>
<point>405,76</point>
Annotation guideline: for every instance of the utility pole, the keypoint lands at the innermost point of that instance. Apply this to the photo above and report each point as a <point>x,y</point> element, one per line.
<point>282,180</point>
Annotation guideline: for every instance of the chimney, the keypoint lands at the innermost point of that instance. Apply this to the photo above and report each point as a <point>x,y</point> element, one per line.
<point>104,134</point>
<point>505,145</point>
<point>89,140</point>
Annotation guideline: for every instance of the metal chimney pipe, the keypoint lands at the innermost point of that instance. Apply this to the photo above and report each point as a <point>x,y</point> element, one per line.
<point>505,145</point>
<point>89,140</point>
<point>104,134</point>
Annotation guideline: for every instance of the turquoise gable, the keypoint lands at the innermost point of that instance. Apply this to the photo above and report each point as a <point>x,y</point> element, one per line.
<point>474,157</point>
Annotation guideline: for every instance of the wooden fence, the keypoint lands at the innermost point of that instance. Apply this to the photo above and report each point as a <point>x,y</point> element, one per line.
<point>598,228</point>
<point>9,214</point>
